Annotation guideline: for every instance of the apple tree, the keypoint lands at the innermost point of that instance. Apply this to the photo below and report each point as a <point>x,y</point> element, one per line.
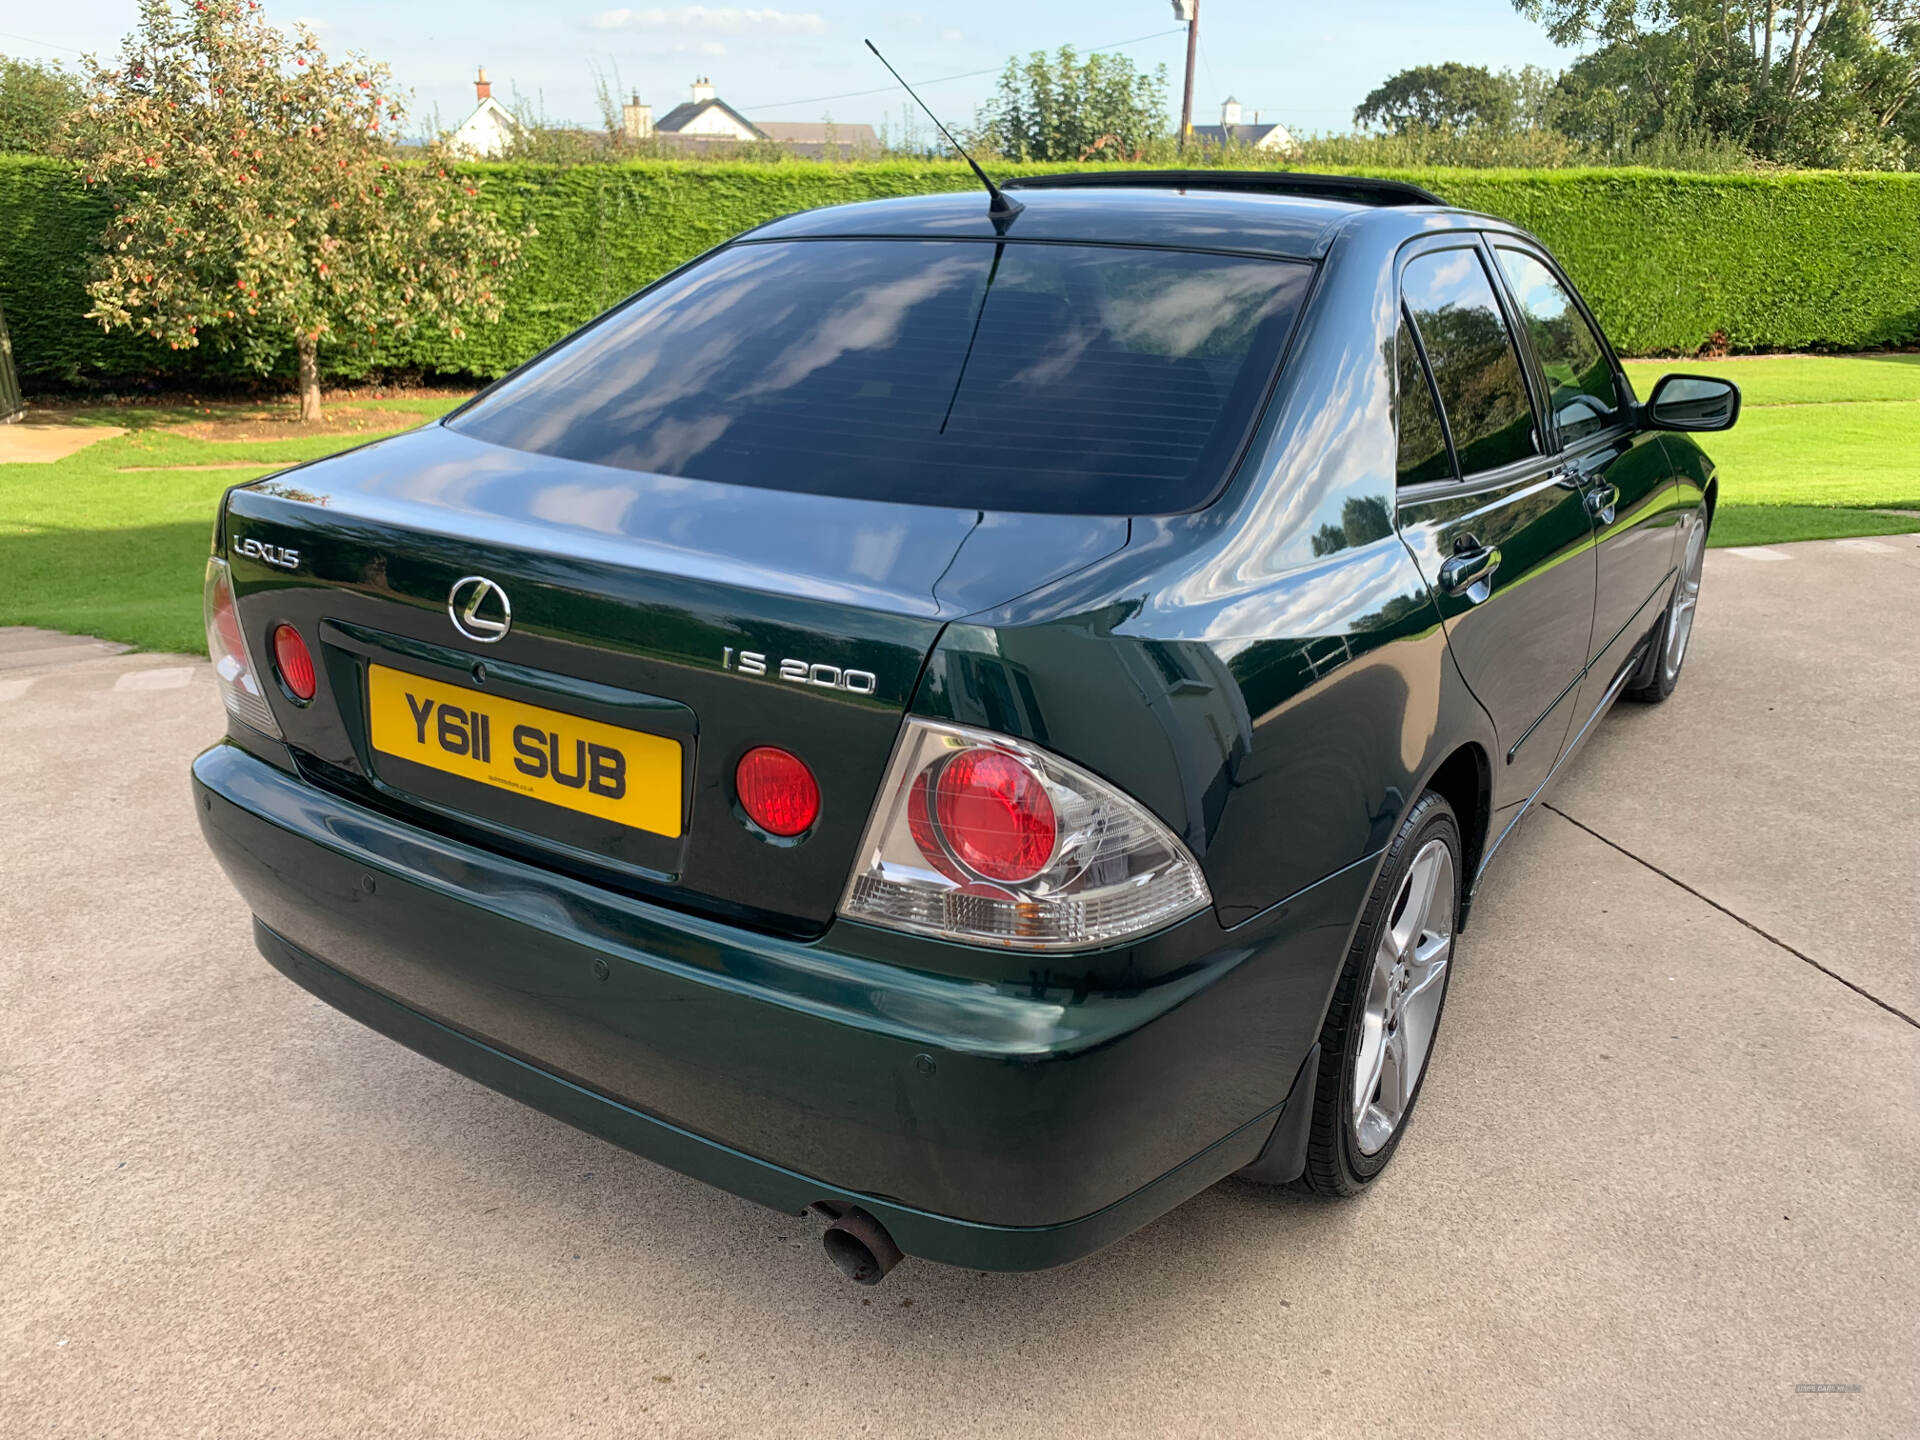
<point>261,203</point>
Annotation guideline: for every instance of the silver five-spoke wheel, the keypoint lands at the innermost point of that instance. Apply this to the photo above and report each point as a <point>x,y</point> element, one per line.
<point>1686,600</point>
<point>1402,1005</point>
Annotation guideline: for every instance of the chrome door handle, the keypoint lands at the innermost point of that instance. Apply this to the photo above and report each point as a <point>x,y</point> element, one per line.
<point>1602,500</point>
<point>1462,572</point>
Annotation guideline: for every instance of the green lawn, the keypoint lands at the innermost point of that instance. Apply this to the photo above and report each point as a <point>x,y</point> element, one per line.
<point>1825,447</point>
<point>102,544</point>
<point>1797,379</point>
<point>113,541</point>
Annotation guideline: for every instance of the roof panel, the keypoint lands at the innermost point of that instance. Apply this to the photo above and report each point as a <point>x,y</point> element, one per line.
<point>1289,226</point>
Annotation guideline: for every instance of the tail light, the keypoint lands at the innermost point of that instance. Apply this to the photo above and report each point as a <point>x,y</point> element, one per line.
<point>232,666</point>
<point>294,662</point>
<point>777,791</point>
<point>988,840</point>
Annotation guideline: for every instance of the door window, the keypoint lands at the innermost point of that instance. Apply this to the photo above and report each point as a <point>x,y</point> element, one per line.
<point>1475,367</point>
<point>1579,375</point>
<point>1423,440</point>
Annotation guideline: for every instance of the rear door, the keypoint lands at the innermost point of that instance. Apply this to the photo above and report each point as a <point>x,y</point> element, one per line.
<point>1502,537</point>
<point>1621,471</point>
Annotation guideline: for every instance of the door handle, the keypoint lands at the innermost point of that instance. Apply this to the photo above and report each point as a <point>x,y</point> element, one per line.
<point>1464,571</point>
<point>1602,501</point>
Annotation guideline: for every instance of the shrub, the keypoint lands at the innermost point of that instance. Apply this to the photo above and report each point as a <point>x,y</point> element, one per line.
<point>1793,261</point>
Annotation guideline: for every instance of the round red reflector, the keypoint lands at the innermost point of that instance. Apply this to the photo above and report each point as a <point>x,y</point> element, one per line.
<point>294,663</point>
<point>777,790</point>
<point>995,814</point>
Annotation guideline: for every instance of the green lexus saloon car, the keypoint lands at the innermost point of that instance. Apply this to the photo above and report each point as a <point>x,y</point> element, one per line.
<point>977,722</point>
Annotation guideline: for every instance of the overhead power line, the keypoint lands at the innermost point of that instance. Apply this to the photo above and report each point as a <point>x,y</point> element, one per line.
<point>9,35</point>
<point>942,80</point>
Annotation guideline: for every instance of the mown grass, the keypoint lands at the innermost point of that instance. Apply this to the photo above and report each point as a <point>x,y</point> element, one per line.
<point>1826,445</point>
<point>1797,379</point>
<point>112,541</point>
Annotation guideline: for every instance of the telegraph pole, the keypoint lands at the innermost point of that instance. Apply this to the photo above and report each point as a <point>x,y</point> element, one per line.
<point>1189,11</point>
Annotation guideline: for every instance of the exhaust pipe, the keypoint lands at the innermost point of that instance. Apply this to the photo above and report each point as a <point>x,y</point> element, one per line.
<point>856,1243</point>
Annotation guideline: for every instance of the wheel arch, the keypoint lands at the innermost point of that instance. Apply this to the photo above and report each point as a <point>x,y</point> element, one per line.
<point>1465,779</point>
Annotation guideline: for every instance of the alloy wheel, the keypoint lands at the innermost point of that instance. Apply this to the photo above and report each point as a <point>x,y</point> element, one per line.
<point>1404,992</point>
<point>1686,599</point>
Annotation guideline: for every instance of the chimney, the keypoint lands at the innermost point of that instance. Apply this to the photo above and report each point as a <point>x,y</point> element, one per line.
<point>636,120</point>
<point>702,90</point>
<point>482,87</point>
<point>1230,112</point>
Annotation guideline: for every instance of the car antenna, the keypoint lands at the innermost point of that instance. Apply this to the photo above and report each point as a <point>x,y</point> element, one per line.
<point>999,207</point>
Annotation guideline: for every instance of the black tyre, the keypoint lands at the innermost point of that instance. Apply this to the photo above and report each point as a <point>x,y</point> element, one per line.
<point>1659,672</point>
<point>1386,1008</point>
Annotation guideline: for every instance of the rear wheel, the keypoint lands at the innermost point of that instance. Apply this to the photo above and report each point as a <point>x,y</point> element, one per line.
<point>1386,1007</point>
<point>1659,672</point>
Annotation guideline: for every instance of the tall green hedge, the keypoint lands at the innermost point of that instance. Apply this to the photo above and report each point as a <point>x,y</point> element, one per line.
<point>1772,262</point>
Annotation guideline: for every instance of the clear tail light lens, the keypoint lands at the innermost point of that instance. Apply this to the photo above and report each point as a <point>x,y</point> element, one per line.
<point>234,668</point>
<point>988,840</point>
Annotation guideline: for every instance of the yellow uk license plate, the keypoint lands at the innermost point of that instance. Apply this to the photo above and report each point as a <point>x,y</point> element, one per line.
<point>620,775</point>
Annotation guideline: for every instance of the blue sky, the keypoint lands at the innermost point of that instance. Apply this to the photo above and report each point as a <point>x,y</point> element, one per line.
<point>1305,65</point>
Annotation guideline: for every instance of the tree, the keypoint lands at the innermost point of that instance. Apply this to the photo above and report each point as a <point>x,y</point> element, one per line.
<point>1812,82</point>
<point>1067,109</point>
<point>260,204</point>
<point>1442,97</point>
<point>35,100</point>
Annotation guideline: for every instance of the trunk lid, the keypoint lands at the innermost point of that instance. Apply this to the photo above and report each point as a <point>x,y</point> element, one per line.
<point>712,617</point>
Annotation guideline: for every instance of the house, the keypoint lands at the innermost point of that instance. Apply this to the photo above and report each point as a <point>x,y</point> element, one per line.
<point>706,123</point>
<point>702,125</point>
<point>706,117</point>
<point>1231,130</point>
<point>489,130</point>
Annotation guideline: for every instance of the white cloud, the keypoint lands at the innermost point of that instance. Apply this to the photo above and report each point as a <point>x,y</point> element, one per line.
<point>952,37</point>
<point>722,20</point>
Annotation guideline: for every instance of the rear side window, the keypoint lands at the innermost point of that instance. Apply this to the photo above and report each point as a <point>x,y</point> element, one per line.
<point>1063,378</point>
<point>1474,364</point>
<point>1579,376</point>
<point>1423,440</point>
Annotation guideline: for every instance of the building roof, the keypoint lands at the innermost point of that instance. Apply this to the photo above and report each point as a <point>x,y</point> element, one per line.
<point>1238,134</point>
<point>683,114</point>
<point>861,136</point>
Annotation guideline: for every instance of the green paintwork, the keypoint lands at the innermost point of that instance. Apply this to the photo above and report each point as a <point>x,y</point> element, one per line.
<point>1273,676</point>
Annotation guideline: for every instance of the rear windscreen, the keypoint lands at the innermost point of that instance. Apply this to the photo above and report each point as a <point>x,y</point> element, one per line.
<point>1072,379</point>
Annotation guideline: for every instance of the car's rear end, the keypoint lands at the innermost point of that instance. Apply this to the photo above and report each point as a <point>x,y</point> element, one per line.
<point>589,744</point>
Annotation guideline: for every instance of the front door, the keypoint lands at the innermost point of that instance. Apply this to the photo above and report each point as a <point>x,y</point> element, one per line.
<point>1623,472</point>
<point>1504,541</point>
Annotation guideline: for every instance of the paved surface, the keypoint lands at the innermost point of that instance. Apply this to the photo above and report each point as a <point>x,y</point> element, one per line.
<point>1663,1174</point>
<point>25,442</point>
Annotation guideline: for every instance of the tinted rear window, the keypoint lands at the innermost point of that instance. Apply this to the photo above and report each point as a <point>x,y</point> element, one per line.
<point>1072,379</point>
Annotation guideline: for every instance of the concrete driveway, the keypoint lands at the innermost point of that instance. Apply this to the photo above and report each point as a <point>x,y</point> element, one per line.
<point>1662,1182</point>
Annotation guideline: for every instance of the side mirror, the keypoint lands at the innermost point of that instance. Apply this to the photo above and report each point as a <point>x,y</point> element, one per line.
<point>1693,402</point>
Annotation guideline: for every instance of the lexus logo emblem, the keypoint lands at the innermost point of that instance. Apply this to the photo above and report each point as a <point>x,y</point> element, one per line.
<point>479,609</point>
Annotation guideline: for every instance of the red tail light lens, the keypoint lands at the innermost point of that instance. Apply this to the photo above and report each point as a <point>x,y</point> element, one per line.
<point>226,622</point>
<point>777,791</point>
<point>986,839</point>
<point>295,664</point>
<point>994,813</point>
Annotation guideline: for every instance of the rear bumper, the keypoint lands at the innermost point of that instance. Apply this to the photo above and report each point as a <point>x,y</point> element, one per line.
<point>984,1125</point>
